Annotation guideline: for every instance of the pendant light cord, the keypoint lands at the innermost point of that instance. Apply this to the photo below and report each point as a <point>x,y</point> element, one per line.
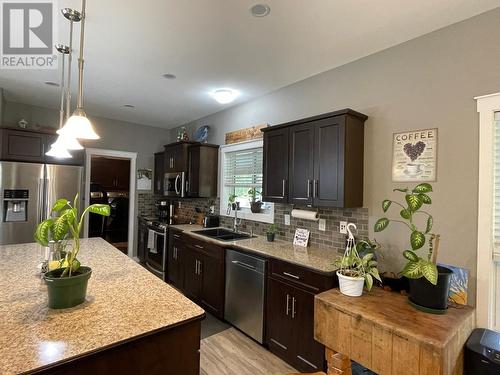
<point>63,91</point>
<point>80,58</point>
<point>70,60</point>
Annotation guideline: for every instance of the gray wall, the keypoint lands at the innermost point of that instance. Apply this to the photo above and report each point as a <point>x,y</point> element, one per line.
<point>427,82</point>
<point>115,135</point>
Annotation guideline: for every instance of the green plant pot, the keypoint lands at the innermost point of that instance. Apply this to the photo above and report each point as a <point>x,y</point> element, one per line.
<point>255,207</point>
<point>67,292</point>
<point>270,237</point>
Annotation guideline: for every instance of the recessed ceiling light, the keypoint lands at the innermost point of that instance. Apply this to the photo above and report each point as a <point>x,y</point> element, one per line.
<point>260,10</point>
<point>129,106</point>
<point>224,96</point>
<point>169,76</point>
<point>50,83</point>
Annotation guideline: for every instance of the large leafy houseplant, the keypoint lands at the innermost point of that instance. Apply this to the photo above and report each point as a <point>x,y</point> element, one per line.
<point>415,200</point>
<point>66,227</point>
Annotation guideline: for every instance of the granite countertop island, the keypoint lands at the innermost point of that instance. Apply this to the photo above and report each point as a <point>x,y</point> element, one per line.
<point>315,258</point>
<point>125,304</point>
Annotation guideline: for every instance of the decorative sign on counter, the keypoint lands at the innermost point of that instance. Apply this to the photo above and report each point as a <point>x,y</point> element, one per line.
<point>301,237</point>
<point>414,156</point>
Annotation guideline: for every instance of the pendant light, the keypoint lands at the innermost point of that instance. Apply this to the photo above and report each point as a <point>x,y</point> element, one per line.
<point>78,125</point>
<point>58,150</point>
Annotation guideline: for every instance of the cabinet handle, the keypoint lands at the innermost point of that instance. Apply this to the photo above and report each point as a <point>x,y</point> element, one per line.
<point>177,236</point>
<point>187,186</point>
<point>308,188</point>
<point>283,187</point>
<point>293,307</point>
<point>287,303</point>
<point>173,162</point>
<point>199,267</point>
<point>307,362</point>
<point>196,267</point>
<point>279,344</point>
<point>199,247</point>
<point>315,188</point>
<point>291,275</point>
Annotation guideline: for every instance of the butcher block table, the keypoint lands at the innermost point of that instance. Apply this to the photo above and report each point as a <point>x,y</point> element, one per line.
<point>381,331</point>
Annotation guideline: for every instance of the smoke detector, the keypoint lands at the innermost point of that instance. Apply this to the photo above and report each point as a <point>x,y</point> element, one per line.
<point>260,10</point>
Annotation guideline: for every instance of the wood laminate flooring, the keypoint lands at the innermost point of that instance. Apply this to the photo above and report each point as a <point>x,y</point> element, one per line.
<point>230,352</point>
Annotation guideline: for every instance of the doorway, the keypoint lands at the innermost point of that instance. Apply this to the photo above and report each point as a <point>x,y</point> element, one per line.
<point>110,179</point>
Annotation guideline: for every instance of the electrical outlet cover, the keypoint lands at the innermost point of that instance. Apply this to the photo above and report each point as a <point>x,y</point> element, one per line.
<point>343,227</point>
<point>287,219</point>
<point>322,224</point>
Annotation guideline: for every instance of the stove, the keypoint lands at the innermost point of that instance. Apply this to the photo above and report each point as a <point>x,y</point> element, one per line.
<point>156,249</point>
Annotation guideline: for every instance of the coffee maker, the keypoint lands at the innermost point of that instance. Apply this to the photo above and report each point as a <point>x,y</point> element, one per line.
<point>163,210</point>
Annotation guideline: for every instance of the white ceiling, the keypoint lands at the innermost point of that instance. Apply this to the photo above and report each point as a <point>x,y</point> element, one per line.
<point>210,44</point>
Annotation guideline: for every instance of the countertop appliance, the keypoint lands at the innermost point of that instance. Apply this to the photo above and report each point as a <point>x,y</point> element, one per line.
<point>482,352</point>
<point>174,184</point>
<point>156,247</point>
<point>163,209</point>
<point>27,193</point>
<point>245,283</point>
<point>211,221</point>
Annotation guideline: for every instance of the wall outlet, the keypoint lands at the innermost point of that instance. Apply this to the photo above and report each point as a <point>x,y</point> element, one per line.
<point>322,224</point>
<point>343,227</point>
<point>287,219</point>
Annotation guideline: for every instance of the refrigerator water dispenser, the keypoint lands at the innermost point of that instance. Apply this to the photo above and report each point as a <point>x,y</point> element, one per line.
<point>15,205</point>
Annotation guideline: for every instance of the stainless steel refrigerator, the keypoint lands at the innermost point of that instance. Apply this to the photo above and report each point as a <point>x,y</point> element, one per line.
<point>27,193</point>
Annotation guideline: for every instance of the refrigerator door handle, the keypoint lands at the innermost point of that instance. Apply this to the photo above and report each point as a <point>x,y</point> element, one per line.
<point>40,208</point>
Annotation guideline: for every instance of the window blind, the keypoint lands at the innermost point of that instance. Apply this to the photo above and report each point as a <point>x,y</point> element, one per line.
<point>496,187</point>
<point>243,168</point>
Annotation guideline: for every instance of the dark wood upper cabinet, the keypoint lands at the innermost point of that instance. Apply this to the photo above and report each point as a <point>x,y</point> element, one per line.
<point>275,187</point>
<point>159,173</point>
<point>325,160</point>
<point>112,174</point>
<point>31,146</point>
<point>203,160</point>
<point>176,157</point>
<point>301,166</point>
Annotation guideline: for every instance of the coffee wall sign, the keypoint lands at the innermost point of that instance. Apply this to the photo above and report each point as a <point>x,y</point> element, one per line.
<point>414,157</point>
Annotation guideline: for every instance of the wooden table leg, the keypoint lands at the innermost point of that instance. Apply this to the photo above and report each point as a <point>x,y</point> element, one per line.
<point>338,363</point>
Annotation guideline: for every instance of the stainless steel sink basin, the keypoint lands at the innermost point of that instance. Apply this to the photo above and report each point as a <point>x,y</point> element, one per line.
<point>222,234</point>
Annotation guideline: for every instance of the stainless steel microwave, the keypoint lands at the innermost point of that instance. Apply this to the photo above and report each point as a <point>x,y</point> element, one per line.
<point>174,184</point>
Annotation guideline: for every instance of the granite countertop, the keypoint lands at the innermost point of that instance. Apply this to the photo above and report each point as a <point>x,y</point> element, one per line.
<point>315,258</point>
<point>124,301</point>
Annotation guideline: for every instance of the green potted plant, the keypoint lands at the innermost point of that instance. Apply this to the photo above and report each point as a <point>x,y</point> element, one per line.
<point>271,232</point>
<point>67,284</point>
<point>233,204</point>
<point>357,267</point>
<point>429,283</point>
<point>255,205</point>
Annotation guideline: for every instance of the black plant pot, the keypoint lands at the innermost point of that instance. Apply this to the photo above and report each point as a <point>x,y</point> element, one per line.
<point>270,237</point>
<point>431,298</point>
<point>255,207</point>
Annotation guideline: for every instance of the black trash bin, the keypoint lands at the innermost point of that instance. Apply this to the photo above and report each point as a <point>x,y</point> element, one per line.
<point>482,353</point>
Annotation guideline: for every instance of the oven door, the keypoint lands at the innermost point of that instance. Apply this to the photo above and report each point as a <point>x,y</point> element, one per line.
<point>156,254</point>
<point>174,184</point>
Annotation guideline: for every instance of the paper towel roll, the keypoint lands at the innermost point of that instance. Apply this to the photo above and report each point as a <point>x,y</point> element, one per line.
<point>306,215</point>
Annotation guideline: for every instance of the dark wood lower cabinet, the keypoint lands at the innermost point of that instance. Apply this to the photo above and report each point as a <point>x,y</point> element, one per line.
<point>175,265</point>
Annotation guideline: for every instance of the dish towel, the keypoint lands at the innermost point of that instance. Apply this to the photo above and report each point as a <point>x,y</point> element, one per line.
<point>151,241</point>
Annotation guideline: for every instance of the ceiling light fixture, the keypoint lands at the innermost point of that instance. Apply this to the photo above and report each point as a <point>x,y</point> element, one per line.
<point>129,106</point>
<point>169,76</point>
<point>78,125</point>
<point>224,96</point>
<point>50,83</point>
<point>260,10</point>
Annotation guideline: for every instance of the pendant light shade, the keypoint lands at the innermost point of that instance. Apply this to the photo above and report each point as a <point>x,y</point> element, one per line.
<point>69,143</point>
<point>78,126</point>
<point>58,152</point>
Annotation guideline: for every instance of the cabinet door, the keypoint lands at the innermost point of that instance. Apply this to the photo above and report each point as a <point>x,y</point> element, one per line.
<point>121,172</point>
<point>18,145</point>
<point>275,167</point>
<point>192,279</point>
<point>212,287</point>
<point>159,175</point>
<point>301,171</point>
<point>278,320</point>
<point>175,265</point>
<point>328,186</point>
<point>142,242</point>
<point>176,157</point>
<point>309,354</point>
<point>193,177</point>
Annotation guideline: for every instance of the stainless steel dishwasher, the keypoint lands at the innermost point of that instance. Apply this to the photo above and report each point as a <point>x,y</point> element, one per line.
<point>245,283</point>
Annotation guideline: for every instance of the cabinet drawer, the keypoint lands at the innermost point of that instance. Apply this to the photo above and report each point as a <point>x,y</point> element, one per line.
<point>205,247</point>
<point>300,276</point>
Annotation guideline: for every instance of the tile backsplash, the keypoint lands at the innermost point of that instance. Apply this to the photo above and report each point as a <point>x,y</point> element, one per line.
<point>330,238</point>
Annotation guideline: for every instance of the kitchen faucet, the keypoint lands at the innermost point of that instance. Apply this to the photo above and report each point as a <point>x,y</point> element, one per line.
<point>237,221</point>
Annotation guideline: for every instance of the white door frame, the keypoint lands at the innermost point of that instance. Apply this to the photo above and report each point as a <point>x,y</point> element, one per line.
<point>486,302</point>
<point>89,152</point>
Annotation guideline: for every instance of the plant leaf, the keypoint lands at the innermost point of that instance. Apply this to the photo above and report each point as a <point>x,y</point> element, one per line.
<point>405,213</point>
<point>412,270</point>
<point>60,227</point>
<point>381,224</point>
<point>429,271</point>
<point>60,204</point>
<point>417,240</point>
<point>368,281</point>
<point>42,232</point>
<point>386,204</point>
<point>423,188</point>
<point>401,190</point>
<point>100,209</point>
<point>414,202</point>
<point>375,274</point>
<point>430,222</point>
<point>425,198</point>
<point>410,255</point>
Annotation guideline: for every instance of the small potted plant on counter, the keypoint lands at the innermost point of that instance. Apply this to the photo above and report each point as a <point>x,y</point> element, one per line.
<point>255,205</point>
<point>357,267</point>
<point>67,284</point>
<point>271,232</point>
<point>429,283</point>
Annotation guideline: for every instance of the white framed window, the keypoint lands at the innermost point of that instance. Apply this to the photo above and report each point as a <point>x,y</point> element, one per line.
<point>240,167</point>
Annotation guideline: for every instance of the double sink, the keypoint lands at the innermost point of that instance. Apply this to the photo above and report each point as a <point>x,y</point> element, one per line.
<point>222,234</point>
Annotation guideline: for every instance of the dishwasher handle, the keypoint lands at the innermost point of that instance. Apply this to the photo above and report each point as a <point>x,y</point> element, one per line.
<point>245,265</point>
